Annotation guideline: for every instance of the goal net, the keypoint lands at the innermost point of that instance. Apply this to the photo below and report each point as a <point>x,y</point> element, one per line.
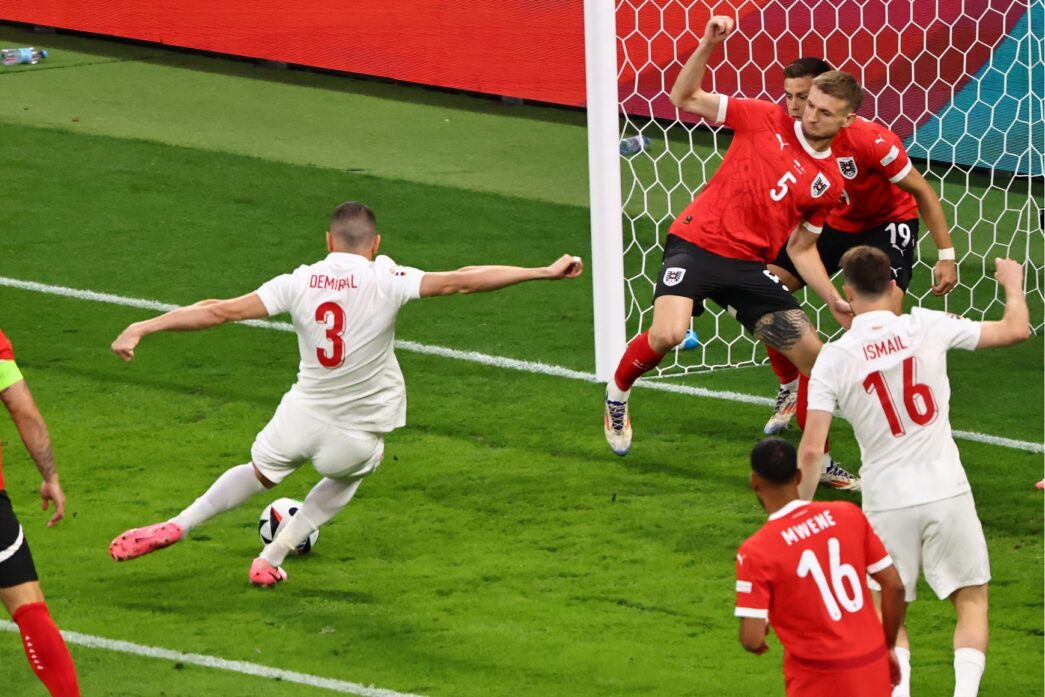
<point>960,81</point>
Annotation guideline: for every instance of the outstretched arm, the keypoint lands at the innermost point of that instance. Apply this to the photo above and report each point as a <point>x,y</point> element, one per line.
<point>1014,325</point>
<point>202,315</point>
<point>945,273</point>
<point>687,93</point>
<point>801,247</point>
<point>478,279</point>
<point>33,430</point>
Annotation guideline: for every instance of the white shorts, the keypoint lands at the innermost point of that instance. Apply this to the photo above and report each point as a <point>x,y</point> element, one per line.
<point>295,435</point>
<point>943,538</point>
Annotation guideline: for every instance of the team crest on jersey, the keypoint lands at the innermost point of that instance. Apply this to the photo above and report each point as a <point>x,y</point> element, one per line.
<point>819,186</point>
<point>847,166</point>
<point>673,276</point>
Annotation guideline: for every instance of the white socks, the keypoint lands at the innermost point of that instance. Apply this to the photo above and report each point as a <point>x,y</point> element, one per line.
<point>231,489</point>
<point>968,669</point>
<point>904,688</point>
<point>616,394</point>
<point>791,386</point>
<point>322,503</point>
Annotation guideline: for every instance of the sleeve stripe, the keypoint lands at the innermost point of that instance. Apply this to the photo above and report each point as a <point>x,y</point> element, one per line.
<point>815,229</point>
<point>744,586</point>
<point>752,612</point>
<point>903,173</point>
<point>722,102</point>
<point>883,563</point>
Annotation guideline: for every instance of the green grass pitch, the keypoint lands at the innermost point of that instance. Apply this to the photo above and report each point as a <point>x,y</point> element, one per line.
<point>500,549</point>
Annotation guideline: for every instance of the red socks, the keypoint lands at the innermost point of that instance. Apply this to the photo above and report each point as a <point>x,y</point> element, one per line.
<point>785,370</point>
<point>46,650</point>
<point>638,358</point>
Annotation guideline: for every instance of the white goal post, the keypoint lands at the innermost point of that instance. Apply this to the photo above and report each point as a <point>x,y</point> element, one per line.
<point>961,81</point>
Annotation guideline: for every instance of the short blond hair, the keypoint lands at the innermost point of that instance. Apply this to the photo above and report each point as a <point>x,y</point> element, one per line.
<point>840,85</point>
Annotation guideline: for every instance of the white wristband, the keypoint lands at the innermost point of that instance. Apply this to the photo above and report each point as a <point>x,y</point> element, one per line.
<point>945,254</point>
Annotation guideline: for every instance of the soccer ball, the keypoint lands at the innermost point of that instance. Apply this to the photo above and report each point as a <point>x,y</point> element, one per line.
<point>275,517</point>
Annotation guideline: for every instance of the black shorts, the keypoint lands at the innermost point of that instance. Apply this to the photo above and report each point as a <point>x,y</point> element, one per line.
<point>745,289</point>
<point>897,239</point>
<point>16,562</point>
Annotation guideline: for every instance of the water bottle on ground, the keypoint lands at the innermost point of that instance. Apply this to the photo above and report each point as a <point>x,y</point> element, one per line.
<point>634,144</point>
<point>17,56</point>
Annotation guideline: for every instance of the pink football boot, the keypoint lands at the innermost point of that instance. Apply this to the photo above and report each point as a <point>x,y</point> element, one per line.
<point>139,541</point>
<point>264,574</point>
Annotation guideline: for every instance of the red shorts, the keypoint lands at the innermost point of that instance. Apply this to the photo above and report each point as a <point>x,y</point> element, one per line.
<point>869,680</point>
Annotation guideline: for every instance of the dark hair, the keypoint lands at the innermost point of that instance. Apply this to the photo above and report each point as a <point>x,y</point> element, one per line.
<point>353,223</point>
<point>775,460</point>
<point>842,86</point>
<point>806,66</point>
<point>866,270</point>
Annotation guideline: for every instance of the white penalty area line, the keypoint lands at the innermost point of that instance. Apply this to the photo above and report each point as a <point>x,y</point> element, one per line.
<point>486,359</point>
<point>196,659</point>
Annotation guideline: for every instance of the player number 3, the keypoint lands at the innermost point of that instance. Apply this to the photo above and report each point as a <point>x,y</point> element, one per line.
<point>833,591</point>
<point>332,316</point>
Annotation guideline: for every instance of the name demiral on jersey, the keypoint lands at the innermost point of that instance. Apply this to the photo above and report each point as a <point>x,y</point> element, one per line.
<point>807,528</point>
<point>883,348</point>
<point>332,282</point>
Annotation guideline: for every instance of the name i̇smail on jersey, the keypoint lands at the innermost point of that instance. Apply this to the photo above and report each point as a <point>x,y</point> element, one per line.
<point>770,180</point>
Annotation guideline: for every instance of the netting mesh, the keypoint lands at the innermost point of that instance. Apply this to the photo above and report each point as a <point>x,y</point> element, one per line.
<point>959,81</point>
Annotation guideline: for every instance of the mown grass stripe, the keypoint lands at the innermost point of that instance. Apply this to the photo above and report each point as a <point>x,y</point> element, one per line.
<point>197,659</point>
<point>486,359</point>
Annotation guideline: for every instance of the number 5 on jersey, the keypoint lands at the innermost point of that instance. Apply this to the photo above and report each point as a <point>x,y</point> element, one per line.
<point>332,316</point>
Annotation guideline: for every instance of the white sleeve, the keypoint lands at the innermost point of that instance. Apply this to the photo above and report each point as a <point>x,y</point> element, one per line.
<point>403,283</point>
<point>951,330</point>
<point>277,294</point>
<point>822,395</point>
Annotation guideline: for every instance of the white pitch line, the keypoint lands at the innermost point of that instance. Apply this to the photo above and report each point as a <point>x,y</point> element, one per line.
<point>196,659</point>
<point>487,359</point>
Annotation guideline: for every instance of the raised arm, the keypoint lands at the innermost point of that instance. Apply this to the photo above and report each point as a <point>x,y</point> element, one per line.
<point>945,272</point>
<point>33,430</point>
<point>687,93</point>
<point>1014,325</point>
<point>202,315</point>
<point>479,279</point>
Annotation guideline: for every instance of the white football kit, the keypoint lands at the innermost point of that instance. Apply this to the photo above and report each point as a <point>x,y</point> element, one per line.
<point>888,377</point>
<point>350,389</point>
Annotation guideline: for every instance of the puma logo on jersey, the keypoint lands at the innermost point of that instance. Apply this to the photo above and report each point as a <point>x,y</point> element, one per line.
<point>780,138</point>
<point>819,186</point>
<point>847,166</point>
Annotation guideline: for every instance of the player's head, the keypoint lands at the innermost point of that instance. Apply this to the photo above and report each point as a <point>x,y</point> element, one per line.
<point>831,105</point>
<point>353,228</point>
<point>867,275</point>
<point>798,79</point>
<point>774,470</point>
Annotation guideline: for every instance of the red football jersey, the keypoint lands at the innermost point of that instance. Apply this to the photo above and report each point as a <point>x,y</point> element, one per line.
<point>805,571</point>
<point>871,158</point>
<point>769,181</point>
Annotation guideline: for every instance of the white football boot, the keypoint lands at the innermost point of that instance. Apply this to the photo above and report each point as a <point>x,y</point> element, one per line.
<point>616,422</point>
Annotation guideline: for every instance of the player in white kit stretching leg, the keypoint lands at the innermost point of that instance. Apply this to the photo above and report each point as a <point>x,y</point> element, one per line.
<point>349,391</point>
<point>888,376</point>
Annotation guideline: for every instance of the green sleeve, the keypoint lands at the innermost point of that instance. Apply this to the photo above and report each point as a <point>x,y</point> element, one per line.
<point>9,374</point>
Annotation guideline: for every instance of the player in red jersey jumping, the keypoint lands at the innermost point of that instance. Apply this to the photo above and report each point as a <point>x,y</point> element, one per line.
<point>884,197</point>
<point>776,177</point>
<point>19,585</point>
<point>804,573</point>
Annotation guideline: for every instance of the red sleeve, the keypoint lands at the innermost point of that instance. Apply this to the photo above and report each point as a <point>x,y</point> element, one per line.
<point>7,352</point>
<point>746,115</point>
<point>753,588</point>
<point>815,219</point>
<point>888,155</point>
